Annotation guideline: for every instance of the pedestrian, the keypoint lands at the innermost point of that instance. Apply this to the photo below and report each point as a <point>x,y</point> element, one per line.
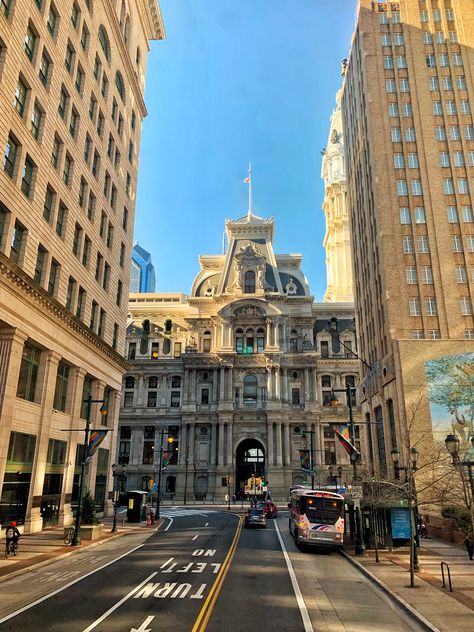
<point>12,534</point>
<point>234,498</point>
<point>469,544</point>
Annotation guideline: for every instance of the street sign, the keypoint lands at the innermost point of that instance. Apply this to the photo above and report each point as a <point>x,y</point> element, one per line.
<point>356,492</point>
<point>155,487</point>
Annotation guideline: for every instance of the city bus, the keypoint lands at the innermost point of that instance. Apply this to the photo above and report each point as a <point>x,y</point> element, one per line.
<point>316,518</point>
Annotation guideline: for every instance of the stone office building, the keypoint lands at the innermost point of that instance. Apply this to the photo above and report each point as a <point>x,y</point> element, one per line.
<point>239,374</point>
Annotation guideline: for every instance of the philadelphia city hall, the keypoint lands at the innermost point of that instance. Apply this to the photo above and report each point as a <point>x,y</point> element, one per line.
<point>239,375</point>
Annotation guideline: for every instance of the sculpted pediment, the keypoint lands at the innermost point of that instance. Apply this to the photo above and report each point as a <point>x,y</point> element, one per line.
<point>249,254</point>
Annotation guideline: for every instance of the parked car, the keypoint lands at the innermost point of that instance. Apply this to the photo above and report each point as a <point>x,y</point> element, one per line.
<point>255,518</point>
<point>269,509</point>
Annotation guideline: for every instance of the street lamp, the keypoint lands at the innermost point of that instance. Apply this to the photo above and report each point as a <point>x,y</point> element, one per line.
<point>409,480</point>
<point>76,538</point>
<point>333,400</point>
<point>170,444</point>
<point>119,476</point>
<point>452,445</point>
<point>311,434</point>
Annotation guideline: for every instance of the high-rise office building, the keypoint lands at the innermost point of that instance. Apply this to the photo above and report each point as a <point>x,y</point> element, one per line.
<point>72,76</point>
<point>407,104</point>
<point>337,241</point>
<point>142,271</point>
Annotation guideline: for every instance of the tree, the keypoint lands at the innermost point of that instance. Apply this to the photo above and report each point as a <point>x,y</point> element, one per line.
<point>88,510</point>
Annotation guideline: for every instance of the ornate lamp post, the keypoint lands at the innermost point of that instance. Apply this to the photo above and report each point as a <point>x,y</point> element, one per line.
<point>333,400</point>
<point>311,434</point>
<point>411,492</point>
<point>76,538</point>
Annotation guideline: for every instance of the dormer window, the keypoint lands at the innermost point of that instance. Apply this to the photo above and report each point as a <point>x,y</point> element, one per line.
<point>206,342</point>
<point>249,282</point>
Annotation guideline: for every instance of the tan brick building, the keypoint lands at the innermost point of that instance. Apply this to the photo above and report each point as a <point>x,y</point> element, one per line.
<point>72,76</point>
<point>409,139</point>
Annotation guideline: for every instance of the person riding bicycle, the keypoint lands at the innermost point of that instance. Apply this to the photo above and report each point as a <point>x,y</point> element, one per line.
<point>12,535</point>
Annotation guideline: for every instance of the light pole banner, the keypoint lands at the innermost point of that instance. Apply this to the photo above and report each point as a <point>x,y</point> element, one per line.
<point>342,433</point>
<point>95,439</point>
<point>165,459</point>
<point>305,460</point>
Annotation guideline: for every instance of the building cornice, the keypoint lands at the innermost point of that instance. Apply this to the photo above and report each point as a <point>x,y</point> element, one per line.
<point>13,276</point>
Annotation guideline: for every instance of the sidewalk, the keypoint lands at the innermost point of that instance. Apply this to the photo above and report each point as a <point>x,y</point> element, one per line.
<point>38,549</point>
<point>435,607</point>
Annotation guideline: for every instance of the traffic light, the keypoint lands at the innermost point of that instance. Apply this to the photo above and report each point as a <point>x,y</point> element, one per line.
<point>151,482</point>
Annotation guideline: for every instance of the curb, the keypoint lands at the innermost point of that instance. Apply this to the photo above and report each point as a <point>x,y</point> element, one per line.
<point>64,554</point>
<point>410,610</point>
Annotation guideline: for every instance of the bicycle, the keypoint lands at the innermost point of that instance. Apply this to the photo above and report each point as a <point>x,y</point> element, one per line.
<point>11,548</point>
<point>69,535</point>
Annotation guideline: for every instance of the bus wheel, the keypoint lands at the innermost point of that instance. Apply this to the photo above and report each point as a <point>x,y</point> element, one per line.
<point>297,539</point>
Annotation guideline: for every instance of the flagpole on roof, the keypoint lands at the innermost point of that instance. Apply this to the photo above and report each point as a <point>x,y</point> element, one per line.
<point>250,190</point>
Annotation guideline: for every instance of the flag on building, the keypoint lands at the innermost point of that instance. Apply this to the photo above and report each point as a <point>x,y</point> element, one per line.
<point>166,459</point>
<point>95,439</point>
<point>305,460</point>
<point>247,180</point>
<point>342,433</point>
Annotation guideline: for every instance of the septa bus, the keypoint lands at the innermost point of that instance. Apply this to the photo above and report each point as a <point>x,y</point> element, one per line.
<point>316,517</point>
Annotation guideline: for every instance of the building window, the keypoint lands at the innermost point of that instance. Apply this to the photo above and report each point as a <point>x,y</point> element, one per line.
<point>405,216</point>
<point>85,38</point>
<point>414,306</point>
<point>250,390</point>
<point>132,350</point>
<point>48,204</point>
<point>440,132</point>
<point>120,85</point>
<point>18,240</point>
<point>67,170</point>
<point>393,110</point>
<point>61,220</point>
<point>60,393</point>
<point>10,157</point>
<point>396,134</point>
<point>402,189</point>
<point>295,396</point>
<point>461,274</point>
<point>28,373</point>
<point>448,186</point>
<point>249,282</point>
<point>426,274</point>
<point>419,213</point>
<point>53,277</point>
<point>40,261</point>
<point>70,293</point>
<point>19,100</point>
<point>433,84</point>
<point>205,396</point>
<point>457,243</point>
<point>423,244</point>
<point>408,246</point>
<point>469,334</point>
<point>416,188</point>
<point>175,399</point>
<point>413,160</point>
<point>467,215</point>
<point>27,177</point>
<point>44,68</point>
<point>466,306</point>
<point>430,305</point>
<point>104,41</point>
<point>29,43</point>
<point>411,277</point>
<point>152,399</point>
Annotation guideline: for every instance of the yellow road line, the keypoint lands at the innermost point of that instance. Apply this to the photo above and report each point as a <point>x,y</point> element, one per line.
<point>206,610</point>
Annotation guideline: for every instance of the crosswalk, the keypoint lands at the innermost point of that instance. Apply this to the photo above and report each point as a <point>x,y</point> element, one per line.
<point>171,512</point>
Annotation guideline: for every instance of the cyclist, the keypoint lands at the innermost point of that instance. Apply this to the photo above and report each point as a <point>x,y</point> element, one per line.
<point>12,535</point>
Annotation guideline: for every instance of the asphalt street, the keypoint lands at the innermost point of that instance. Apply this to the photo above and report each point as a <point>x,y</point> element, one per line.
<point>201,571</point>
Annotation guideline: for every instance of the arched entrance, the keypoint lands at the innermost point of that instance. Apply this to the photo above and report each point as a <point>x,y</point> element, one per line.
<point>249,462</point>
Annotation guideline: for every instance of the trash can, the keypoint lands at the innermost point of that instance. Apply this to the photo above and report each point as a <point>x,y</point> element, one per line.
<point>136,506</point>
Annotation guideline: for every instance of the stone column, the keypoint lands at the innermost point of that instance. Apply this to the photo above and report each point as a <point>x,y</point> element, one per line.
<point>11,352</point>
<point>141,392</point>
<point>220,454</point>
<point>278,442</point>
<point>183,443</point>
<point>271,457</point>
<point>191,441</point>
<point>186,386</point>
<point>192,398</point>
<point>230,384</point>
<point>214,385</point>
<point>269,332</point>
<point>287,452</point>
<point>213,443</point>
<point>222,384</point>
<point>269,383</point>
<point>307,395</point>
<point>76,378</point>
<point>229,443</point>
<point>315,385</point>
<point>46,385</point>
<point>277,383</point>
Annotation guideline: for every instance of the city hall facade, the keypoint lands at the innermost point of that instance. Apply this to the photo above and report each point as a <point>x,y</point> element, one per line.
<point>239,375</point>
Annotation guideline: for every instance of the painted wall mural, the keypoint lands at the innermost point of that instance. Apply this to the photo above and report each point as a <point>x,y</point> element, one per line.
<point>450,381</point>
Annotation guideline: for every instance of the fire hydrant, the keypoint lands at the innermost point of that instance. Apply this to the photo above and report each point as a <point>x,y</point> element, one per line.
<point>148,518</point>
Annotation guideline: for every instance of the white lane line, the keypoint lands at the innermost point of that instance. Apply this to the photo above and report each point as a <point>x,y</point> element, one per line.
<point>308,627</point>
<point>170,523</point>
<point>195,537</point>
<point>118,604</point>
<point>167,562</point>
<point>55,592</point>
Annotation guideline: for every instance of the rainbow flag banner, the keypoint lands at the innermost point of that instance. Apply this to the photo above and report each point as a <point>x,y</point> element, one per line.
<point>305,460</point>
<point>342,433</point>
<point>95,439</point>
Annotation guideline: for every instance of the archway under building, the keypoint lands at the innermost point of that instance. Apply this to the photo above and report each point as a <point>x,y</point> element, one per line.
<point>249,464</point>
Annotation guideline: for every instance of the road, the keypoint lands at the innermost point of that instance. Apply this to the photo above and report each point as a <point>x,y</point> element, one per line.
<point>202,573</point>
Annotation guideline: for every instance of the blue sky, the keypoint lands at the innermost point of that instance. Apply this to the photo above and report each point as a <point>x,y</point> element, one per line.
<point>238,81</point>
